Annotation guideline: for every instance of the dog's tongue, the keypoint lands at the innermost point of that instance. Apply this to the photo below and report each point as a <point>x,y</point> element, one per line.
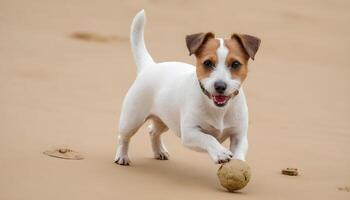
<point>220,99</point>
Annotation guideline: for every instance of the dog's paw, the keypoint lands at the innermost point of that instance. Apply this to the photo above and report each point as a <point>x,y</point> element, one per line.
<point>124,160</point>
<point>239,157</point>
<point>221,155</point>
<point>162,155</point>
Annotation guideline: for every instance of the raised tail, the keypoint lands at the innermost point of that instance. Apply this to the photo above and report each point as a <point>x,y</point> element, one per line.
<point>138,47</point>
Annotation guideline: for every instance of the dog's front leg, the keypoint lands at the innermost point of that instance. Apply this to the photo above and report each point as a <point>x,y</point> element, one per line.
<point>239,146</point>
<point>195,139</point>
<point>239,134</point>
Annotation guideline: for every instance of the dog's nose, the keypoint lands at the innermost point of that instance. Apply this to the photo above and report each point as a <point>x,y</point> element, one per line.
<point>220,86</point>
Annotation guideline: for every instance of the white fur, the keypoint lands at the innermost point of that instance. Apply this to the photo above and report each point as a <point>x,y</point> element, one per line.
<point>140,53</point>
<point>170,93</point>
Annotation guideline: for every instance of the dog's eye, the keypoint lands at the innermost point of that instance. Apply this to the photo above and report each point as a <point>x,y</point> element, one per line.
<point>208,64</point>
<point>235,65</point>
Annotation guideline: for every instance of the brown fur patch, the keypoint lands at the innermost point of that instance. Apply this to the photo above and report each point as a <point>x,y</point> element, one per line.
<point>249,43</point>
<point>237,53</point>
<point>207,51</point>
<point>195,41</point>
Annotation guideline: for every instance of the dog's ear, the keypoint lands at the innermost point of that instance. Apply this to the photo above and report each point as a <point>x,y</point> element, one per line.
<point>195,41</point>
<point>249,43</point>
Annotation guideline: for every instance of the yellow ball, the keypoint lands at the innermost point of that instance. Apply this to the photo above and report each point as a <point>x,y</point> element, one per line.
<point>234,175</point>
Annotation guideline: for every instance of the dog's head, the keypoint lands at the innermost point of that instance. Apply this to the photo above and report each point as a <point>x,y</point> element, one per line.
<point>221,63</point>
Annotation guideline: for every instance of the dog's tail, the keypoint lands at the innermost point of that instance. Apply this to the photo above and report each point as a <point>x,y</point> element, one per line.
<point>141,56</point>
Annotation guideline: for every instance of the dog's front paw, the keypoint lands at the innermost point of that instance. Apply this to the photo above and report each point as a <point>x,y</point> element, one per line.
<point>122,160</point>
<point>239,157</point>
<point>220,155</point>
<point>161,155</point>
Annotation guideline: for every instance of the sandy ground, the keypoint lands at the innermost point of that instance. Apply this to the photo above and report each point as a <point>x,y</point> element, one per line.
<point>62,91</point>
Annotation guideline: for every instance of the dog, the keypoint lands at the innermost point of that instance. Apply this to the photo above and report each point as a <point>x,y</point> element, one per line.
<point>203,105</point>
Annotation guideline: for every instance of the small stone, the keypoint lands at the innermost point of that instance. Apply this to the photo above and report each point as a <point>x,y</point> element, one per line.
<point>63,150</point>
<point>290,171</point>
<point>346,188</point>
<point>64,153</point>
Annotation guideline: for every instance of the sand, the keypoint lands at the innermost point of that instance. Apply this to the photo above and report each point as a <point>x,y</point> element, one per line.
<point>61,91</point>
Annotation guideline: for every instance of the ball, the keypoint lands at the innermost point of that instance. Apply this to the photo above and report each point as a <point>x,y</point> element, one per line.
<point>234,175</point>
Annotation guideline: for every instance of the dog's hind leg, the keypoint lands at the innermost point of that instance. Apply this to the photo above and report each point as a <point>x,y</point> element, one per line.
<point>133,115</point>
<point>156,128</point>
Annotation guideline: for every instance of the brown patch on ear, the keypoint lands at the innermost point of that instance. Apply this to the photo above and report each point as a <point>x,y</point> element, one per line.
<point>249,43</point>
<point>195,41</point>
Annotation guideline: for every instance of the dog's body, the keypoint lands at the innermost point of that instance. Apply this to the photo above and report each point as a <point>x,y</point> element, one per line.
<point>182,97</point>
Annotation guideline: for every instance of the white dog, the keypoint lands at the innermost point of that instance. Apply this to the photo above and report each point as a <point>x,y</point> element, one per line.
<point>203,104</point>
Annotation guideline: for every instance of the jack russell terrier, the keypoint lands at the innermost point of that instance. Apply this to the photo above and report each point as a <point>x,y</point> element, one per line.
<point>203,104</point>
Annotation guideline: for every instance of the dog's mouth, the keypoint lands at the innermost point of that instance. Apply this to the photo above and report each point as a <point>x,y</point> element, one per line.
<point>220,100</point>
